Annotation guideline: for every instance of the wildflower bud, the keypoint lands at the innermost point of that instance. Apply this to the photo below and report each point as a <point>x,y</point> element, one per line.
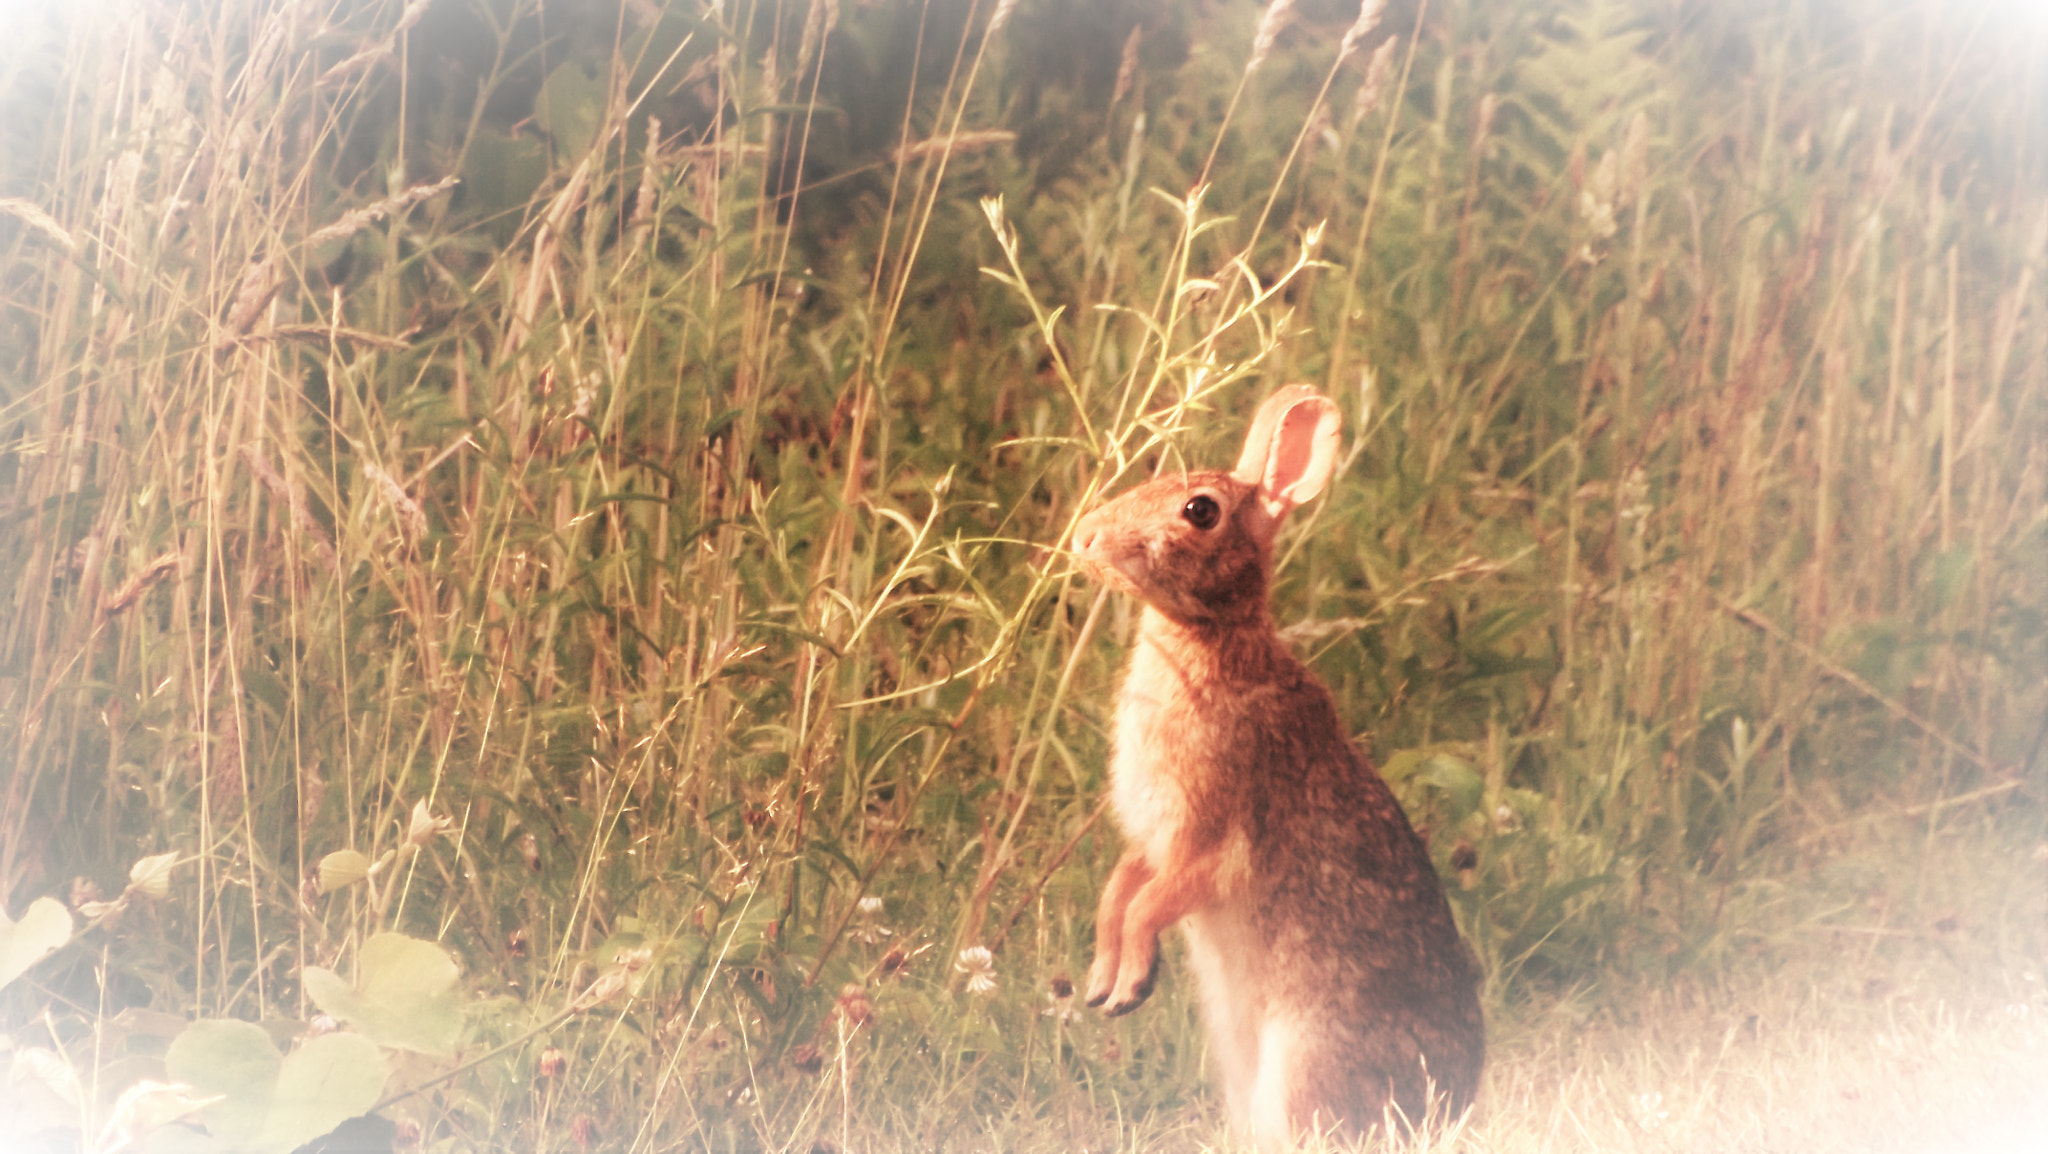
<point>807,1059</point>
<point>551,1064</point>
<point>1465,860</point>
<point>854,1005</point>
<point>1062,986</point>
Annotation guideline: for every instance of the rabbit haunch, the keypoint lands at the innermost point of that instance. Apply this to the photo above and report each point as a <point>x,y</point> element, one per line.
<point>1330,970</point>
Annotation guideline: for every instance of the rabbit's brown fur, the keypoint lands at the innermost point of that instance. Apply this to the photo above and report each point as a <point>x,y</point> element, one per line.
<point>1331,973</point>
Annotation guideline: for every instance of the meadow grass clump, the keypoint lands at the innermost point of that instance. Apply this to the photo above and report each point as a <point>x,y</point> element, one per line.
<point>551,520</point>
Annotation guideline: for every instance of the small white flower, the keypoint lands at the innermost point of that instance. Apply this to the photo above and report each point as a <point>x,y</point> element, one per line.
<point>424,826</point>
<point>867,932</point>
<point>980,967</point>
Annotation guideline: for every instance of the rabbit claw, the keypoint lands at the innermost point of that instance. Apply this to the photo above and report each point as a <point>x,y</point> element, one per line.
<point>1133,994</point>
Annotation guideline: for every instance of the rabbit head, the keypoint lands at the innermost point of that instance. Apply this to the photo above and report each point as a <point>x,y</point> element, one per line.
<point>1197,546</point>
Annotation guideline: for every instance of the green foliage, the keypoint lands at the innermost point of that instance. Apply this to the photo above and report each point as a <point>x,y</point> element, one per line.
<point>634,567</point>
<point>267,1104</point>
<point>403,996</point>
<point>44,927</point>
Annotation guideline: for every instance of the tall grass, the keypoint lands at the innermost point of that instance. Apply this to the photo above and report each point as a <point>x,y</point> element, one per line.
<point>642,437</point>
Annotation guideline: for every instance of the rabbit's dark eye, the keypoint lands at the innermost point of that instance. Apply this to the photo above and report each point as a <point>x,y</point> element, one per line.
<point>1201,512</point>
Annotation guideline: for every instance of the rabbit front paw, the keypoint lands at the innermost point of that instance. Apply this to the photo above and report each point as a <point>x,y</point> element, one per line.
<point>1101,979</point>
<point>1132,988</point>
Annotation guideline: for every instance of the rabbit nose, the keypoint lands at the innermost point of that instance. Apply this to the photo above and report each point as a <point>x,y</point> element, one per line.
<point>1084,538</point>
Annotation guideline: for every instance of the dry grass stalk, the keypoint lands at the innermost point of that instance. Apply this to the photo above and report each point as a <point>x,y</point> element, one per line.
<point>969,141</point>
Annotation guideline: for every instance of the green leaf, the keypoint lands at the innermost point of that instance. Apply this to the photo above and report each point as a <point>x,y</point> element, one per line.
<point>45,927</point>
<point>230,1058</point>
<point>323,1083</point>
<point>568,107</point>
<point>1459,779</point>
<point>341,869</point>
<point>404,996</point>
<point>272,1104</point>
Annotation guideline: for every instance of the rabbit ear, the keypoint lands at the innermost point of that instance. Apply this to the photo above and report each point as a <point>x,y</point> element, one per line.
<point>1291,450</point>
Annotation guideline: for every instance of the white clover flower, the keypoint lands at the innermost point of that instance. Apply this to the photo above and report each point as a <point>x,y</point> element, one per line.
<point>980,967</point>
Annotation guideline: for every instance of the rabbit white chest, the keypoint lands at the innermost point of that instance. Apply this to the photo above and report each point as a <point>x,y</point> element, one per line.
<point>1150,801</point>
<point>1152,777</point>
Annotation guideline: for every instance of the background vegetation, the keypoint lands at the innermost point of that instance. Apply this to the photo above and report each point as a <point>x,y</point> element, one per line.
<point>580,484</point>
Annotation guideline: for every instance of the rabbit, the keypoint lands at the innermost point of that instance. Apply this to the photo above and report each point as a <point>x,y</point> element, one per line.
<point>1332,978</point>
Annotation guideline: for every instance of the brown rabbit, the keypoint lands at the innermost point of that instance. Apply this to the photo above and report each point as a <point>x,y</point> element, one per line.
<point>1331,973</point>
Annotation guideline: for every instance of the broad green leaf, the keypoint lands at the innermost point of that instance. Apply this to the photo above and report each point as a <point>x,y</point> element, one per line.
<point>151,876</point>
<point>404,996</point>
<point>568,107</point>
<point>341,869</point>
<point>233,1059</point>
<point>323,1083</point>
<point>271,1104</point>
<point>41,930</point>
<point>1459,779</point>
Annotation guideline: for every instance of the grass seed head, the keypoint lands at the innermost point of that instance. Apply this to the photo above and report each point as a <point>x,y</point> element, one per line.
<point>1377,72</point>
<point>1278,12</point>
<point>1368,19</point>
